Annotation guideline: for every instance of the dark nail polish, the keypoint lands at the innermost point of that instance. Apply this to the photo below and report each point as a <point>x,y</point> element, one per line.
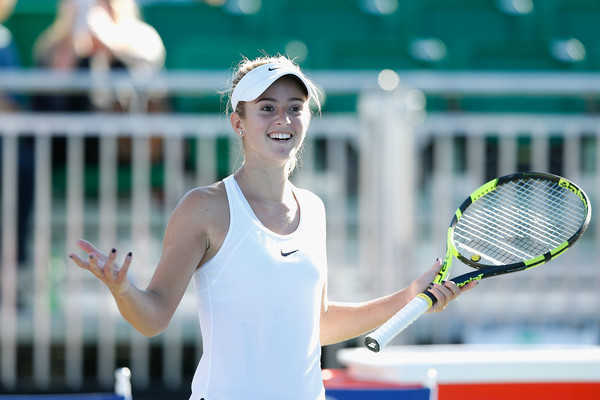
<point>114,250</point>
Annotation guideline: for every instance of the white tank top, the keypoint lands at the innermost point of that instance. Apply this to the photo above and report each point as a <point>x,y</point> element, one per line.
<point>259,302</point>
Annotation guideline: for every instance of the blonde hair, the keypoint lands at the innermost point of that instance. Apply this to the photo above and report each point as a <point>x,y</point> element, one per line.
<point>246,65</point>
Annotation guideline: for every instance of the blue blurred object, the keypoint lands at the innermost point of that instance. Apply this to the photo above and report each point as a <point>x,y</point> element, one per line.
<point>86,396</point>
<point>379,394</point>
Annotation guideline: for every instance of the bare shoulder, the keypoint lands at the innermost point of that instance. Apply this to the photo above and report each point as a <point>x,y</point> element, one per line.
<point>205,203</point>
<point>205,196</point>
<point>203,212</point>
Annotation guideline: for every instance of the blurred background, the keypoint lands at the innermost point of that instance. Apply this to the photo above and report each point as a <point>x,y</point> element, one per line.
<point>112,110</point>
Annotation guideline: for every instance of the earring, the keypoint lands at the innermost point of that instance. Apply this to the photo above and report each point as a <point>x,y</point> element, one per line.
<point>241,133</point>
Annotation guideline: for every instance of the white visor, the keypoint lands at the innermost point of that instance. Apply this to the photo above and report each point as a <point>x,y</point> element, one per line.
<point>255,82</point>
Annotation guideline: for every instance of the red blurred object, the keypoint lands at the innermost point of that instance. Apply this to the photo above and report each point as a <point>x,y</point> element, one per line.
<point>339,379</point>
<point>518,391</point>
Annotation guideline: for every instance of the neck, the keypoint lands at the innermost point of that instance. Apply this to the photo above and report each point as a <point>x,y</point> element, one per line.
<point>264,185</point>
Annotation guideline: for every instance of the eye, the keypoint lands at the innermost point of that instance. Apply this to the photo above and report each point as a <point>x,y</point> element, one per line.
<point>267,108</point>
<point>296,108</point>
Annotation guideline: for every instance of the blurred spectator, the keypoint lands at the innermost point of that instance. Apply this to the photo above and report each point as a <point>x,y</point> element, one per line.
<point>100,36</point>
<point>9,58</point>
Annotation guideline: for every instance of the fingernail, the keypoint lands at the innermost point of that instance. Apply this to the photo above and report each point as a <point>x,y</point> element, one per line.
<point>129,254</point>
<point>71,256</point>
<point>114,250</point>
<point>91,255</point>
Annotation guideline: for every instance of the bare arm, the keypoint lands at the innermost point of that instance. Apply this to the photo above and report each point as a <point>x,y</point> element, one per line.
<point>184,247</point>
<point>132,40</point>
<point>343,321</point>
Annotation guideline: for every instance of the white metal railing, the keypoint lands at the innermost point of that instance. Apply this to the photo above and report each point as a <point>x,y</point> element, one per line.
<point>554,302</point>
<point>67,305</point>
<point>388,211</point>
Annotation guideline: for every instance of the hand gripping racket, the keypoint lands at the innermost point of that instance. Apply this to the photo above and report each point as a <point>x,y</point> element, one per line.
<point>509,224</point>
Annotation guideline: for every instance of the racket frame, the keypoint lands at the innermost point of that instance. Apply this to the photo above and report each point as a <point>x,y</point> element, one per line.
<point>486,271</point>
<point>423,301</point>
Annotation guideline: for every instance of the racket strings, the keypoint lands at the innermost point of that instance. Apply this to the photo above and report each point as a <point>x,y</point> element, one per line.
<point>541,225</point>
<point>519,221</point>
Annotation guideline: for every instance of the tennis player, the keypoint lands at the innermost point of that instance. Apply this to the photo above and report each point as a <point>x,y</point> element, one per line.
<point>255,247</point>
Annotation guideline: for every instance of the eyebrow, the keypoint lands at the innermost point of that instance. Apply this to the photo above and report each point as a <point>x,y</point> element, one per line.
<point>274,100</point>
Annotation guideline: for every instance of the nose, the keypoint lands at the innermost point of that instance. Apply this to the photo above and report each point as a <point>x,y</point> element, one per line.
<point>283,118</point>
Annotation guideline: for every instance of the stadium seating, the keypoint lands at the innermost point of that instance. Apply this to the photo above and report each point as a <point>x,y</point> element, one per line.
<point>348,34</point>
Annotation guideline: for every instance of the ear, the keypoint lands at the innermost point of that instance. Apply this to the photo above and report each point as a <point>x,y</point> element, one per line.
<point>236,122</point>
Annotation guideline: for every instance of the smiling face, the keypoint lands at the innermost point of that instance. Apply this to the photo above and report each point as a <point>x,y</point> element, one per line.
<point>275,124</point>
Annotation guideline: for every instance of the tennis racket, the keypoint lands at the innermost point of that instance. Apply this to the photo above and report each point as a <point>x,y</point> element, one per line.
<point>509,224</point>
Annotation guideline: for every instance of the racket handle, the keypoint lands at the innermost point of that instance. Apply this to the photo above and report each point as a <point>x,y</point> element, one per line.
<point>379,338</point>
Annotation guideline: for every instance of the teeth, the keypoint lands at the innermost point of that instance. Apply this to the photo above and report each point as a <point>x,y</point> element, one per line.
<point>281,136</point>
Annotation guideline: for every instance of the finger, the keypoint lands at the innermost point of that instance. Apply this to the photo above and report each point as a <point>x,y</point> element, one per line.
<point>88,247</point>
<point>441,292</point>
<point>430,274</point>
<point>436,267</point>
<point>125,268</point>
<point>94,267</point>
<point>109,265</point>
<point>79,262</point>
<point>443,296</point>
<point>453,288</point>
<point>469,286</point>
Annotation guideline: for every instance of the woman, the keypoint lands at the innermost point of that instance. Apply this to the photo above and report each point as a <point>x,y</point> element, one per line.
<point>99,36</point>
<point>254,244</point>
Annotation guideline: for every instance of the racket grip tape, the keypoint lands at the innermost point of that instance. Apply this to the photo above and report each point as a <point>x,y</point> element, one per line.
<point>380,338</point>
